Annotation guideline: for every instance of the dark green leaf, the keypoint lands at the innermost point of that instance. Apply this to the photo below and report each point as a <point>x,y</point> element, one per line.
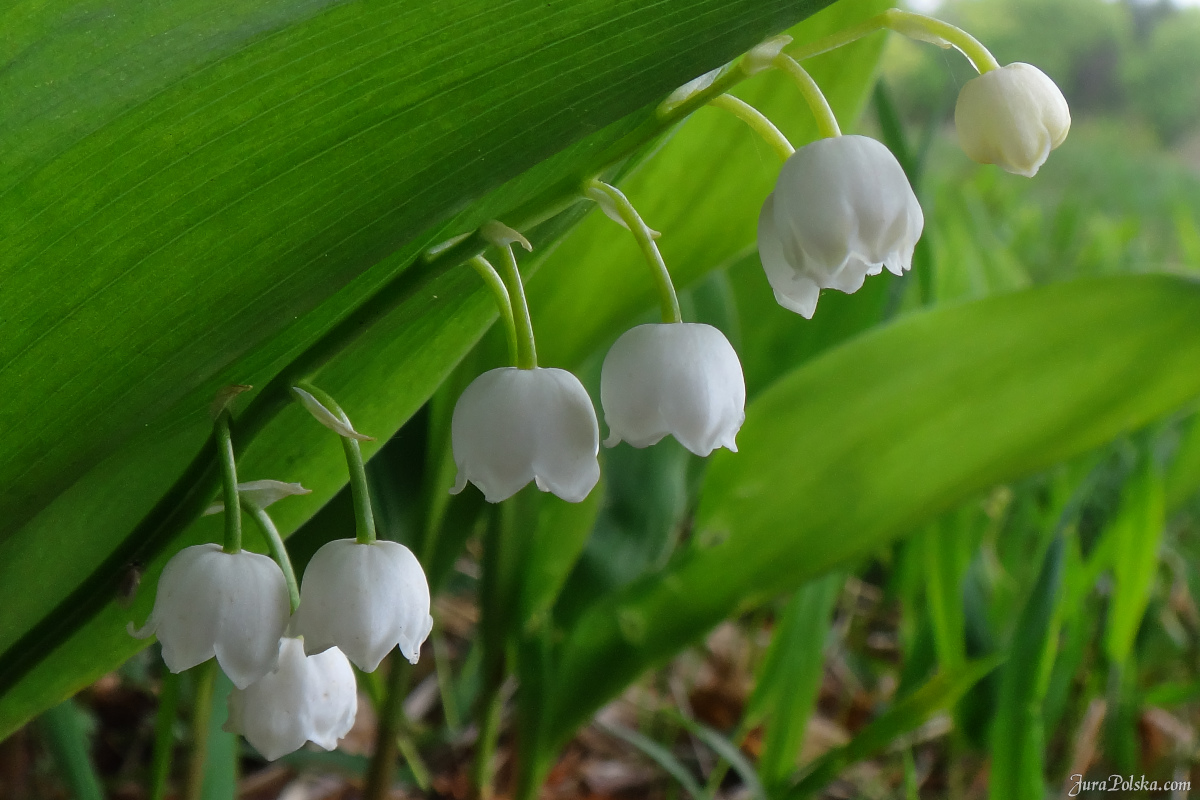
<point>237,182</point>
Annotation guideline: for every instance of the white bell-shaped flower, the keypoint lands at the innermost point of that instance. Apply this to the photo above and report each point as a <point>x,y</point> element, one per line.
<point>679,378</point>
<point>842,209</point>
<point>231,605</point>
<point>512,426</point>
<point>1012,117</point>
<point>364,599</point>
<point>306,699</point>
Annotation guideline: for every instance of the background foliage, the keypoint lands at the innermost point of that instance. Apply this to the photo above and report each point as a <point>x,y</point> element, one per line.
<point>1000,445</point>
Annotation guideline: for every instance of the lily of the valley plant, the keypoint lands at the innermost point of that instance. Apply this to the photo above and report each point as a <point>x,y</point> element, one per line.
<point>841,211</point>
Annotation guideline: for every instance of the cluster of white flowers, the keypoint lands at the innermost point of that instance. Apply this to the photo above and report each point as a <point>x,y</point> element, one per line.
<point>358,601</point>
<point>288,650</point>
<point>842,210</point>
<point>512,426</point>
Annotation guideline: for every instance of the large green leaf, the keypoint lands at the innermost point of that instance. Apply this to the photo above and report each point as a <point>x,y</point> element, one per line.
<point>235,180</point>
<point>870,439</point>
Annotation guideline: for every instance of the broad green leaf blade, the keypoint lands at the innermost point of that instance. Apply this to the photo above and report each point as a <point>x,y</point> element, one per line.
<point>883,433</point>
<point>941,691</point>
<point>1017,732</point>
<point>311,202</point>
<point>177,191</point>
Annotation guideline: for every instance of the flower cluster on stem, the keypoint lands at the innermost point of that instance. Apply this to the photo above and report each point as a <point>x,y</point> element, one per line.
<point>359,599</point>
<point>842,210</point>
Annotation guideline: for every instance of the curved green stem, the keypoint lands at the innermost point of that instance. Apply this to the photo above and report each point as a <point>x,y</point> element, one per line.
<point>914,26</point>
<point>233,513</point>
<point>364,519</point>
<point>827,123</point>
<point>276,546</point>
<point>758,123</point>
<point>667,299</point>
<point>522,323</point>
<point>503,302</point>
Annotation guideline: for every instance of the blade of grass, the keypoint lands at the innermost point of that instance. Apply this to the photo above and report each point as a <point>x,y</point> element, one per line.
<point>1017,731</point>
<point>164,735</point>
<point>659,755</point>
<point>729,752</point>
<point>65,732</point>
<point>940,692</point>
<point>1136,534</point>
<point>787,686</point>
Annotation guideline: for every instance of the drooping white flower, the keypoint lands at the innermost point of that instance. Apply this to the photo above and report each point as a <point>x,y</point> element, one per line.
<point>682,379</point>
<point>306,699</point>
<point>512,426</point>
<point>842,209</point>
<point>231,605</point>
<point>364,599</point>
<point>1012,117</point>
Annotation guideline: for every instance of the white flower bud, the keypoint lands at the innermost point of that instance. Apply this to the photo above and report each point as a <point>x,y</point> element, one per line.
<point>512,426</point>
<point>231,605</point>
<point>682,379</point>
<point>1012,117</point>
<point>842,209</point>
<point>306,699</point>
<point>364,599</point>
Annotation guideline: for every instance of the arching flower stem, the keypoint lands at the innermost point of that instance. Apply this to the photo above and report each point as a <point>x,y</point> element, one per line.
<point>914,26</point>
<point>604,194</point>
<point>364,519</point>
<point>827,123</point>
<point>275,544</point>
<point>233,513</point>
<point>503,302</point>
<point>522,323</point>
<point>502,237</point>
<point>757,121</point>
